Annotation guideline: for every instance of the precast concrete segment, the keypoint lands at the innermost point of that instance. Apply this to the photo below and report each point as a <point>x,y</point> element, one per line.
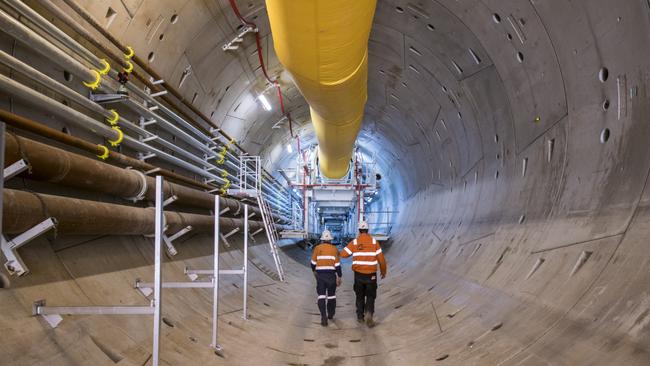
<point>514,139</point>
<point>22,210</point>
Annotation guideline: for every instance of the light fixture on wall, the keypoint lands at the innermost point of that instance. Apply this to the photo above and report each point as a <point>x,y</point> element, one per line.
<point>265,102</point>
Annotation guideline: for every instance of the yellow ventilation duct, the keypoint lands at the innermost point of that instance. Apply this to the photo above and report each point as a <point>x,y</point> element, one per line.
<point>324,45</point>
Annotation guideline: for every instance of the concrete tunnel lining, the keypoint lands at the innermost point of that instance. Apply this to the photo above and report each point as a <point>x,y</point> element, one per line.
<point>522,234</point>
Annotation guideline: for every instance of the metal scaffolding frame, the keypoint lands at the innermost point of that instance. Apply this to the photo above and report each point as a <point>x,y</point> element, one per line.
<point>193,274</point>
<point>250,175</point>
<point>52,314</point>
<point>9,247</point>
<point>250,179</point>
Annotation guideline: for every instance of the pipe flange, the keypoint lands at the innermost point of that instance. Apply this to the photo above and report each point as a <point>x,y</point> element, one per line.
<point>143,190</point>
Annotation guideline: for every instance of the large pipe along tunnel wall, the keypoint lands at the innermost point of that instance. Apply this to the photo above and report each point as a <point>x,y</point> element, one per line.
<point>512,137</point>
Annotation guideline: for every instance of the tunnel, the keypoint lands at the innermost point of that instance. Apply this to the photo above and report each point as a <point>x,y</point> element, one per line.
<point>511,139</point>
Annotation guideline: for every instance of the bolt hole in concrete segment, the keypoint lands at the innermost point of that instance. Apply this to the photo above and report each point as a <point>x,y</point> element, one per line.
<point>442,358</point>
<point>604,136</point>
<point>603,74</point>
<point>168,322</point>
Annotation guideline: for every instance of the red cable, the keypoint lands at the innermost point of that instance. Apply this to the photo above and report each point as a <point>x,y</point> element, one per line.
<point>258,42</point>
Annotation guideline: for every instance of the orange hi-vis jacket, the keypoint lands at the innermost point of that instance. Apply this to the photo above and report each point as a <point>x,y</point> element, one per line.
<point>366,254</point>
<point>325,258</point>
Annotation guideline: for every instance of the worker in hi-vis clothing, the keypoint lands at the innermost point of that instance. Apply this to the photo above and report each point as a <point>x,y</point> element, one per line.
<point>366,254</point>
<point>326,265</point>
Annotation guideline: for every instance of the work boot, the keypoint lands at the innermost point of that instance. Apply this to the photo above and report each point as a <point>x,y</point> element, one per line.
<point>330,316</point>
<point>323,321</point>
<point>369,321</point>
<point>360,319</point>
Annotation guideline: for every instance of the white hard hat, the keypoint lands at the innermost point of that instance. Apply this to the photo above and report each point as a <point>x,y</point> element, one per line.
<point>363,225</point>
<point>327,235</point>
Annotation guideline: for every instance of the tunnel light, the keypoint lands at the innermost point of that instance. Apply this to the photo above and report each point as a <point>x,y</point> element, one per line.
<point>289,148</point>
<point>265,102</point>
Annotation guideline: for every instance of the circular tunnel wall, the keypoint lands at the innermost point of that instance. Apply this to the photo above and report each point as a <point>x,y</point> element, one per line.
<point>514,140</point>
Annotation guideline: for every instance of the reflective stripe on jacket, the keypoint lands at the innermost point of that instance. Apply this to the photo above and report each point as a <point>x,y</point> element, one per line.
<point>366,255</point>
<point>324,258</point>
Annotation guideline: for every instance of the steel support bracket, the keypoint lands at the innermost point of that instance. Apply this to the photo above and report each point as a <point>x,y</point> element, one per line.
<point>52,314</point>
<point>14,264</point>
<point>197,272</point>
<point>169,240</point>
<point>149,122</point>
<point>170,200</point>
<point>147,287</point>
<point>15,169</point>
<point>225,240</point>
<point>162,92</point>
<point>143,157</point>
<point>239,38</point>
<point>243,193</point>
<point>150,138</point>
<point>231,232</point>
<point>53,320</point>
<point>107,98</point>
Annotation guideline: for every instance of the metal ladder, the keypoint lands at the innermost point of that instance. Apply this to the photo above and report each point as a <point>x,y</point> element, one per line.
<point>271,232</point>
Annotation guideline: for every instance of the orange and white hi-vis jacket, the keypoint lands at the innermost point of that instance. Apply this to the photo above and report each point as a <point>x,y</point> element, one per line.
<point>366,254</point>
<point>325,258</point>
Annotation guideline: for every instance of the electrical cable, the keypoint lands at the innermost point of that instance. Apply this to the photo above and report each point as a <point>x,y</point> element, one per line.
<point>258,42</point>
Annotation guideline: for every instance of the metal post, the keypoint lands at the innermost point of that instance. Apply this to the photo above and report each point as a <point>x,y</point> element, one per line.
<point>2,169</point>
<point>306,213</point>
<point>157,270</point>
<point>245,261</point>
<point>215,275</point>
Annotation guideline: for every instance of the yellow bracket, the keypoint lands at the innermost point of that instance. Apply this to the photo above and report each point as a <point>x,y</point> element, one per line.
<point>103,156</point>
<point>129,67</point>
<point>120,137</point>
<point>98,79</point>
<point>221,159</point>
<point>223,151</point>
<point>224,174</point>
<point>107,67</point>
<point>225,187</point>
<point>129,54</point>
<point>113,120</point>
